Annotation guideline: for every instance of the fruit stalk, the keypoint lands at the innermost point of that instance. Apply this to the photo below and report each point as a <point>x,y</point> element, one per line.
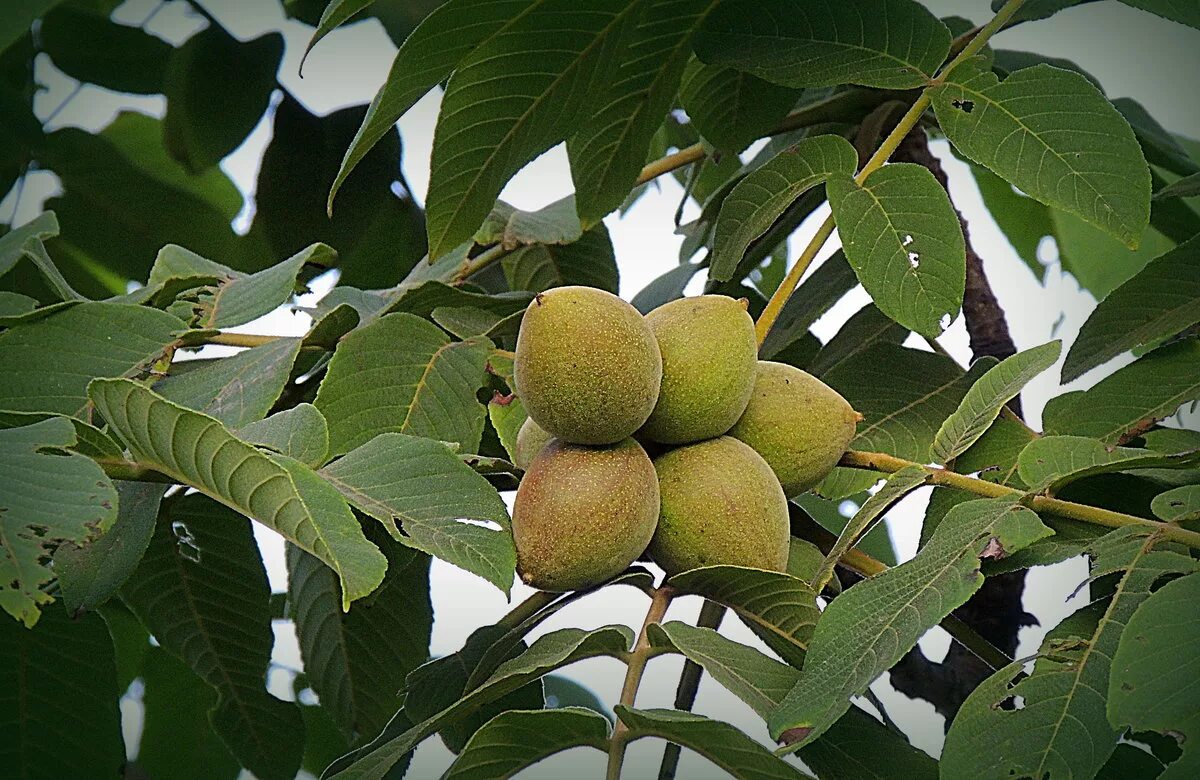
<point>636,665</point>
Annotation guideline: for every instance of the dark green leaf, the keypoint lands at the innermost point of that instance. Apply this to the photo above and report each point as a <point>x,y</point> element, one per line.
<point>1176,10</point>
<point>516,739</point>
<point>58,699</point>
<point>828,513</point>
<point>867,327</point>
<point>19,16</point>
<point>48,498</point>
<point>994,454</point>
<point>816,295</point>
<point>403,374</point>
<point>891,44</point>
<point>236,390</point>
<point>1187,187</point>
<point>1163,299</point>
<point>300,432</point>
<point>1023,220</point>
<point>902,237</point>
<point>665,288</point>
<point>202,591</point>
<point>87,46</point>
<point>337,13</point>
<point>732,108</point>
<point>1098,261</point>
<point>590,262</point>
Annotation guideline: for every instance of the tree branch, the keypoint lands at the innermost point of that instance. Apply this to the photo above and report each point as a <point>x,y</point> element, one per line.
<point>640,654</point>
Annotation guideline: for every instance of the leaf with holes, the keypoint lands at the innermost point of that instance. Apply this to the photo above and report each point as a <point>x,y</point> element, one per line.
<point>890,44</point>
<point>1050,462</point>
<point>515,95</point>
<point>1162,300</point>
<point>1130,400</point>
<point>868,628</point>
<point>441,502</point>
<point>1178,505</point>
<point>903,239</point>
<point>403,374</point>
<point>202,591</point>
<point>1052,134</point>
<point>758,200</point>
<point>517,739</point>
<point>551,651</point>
<point>87,340</point>
<point>981,405</point>
<point>731,108</point>
<point>1061,731</point>
<point>299,432</point>
<point>200,452</point>
<point>48,498</point>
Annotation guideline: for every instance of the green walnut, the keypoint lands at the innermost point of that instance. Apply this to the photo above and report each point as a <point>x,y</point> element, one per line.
<point>799,424</point>
<point>583,514</point>
<point>531,438</point>
<point>587,367</point>
<point>708,351</point>
<point>721,504</point>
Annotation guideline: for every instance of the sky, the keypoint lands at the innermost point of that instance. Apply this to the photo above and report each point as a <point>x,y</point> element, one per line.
<point>1130,52</point>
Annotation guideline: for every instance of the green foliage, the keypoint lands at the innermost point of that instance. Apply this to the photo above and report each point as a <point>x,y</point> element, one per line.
<point>516,739</point>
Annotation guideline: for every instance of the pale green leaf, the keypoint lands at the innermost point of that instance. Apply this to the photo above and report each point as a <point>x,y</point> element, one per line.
<point>14,304</point>
<point>1162,300</point>
<point>1053,135</point>
<point>994,454</point>
<point>517,739</point>
<point>731,108</point>
<point>726,746</point>
<point>1131,399</point>
<point>548,653</point>
<point>13,243</point>
<point>1049,462</point>
<point>758,200</point>
<point>780,608</point>
<point>982,404</point>
<point>891,44</point>
<point>511,227</point>
<point>1061,731</point>
<point>403,374</point>
<point>1179,505</point>
<point>337,13</point>
<point>868,628</point>
<point>48,498</point>
<point>202,591</point>
<point>427,57</point>
<point>198,451</point>
<point>58,699</point>
<point>902,237</point>
<point>85,341</point>
<point>828,513</point>
<point>357,661</point>
<point>89,574</point>
<point>514,96</point>
<point>237,390</point>
<point>299,432</point>
<point>1154,669</point>
<point>423,485</point>
<point>507,415</point>
<point>1023,220</point>
<point>608,150</point>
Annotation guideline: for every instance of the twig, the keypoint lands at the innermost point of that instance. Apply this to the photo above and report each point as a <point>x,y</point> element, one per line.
<point>689,684</point>
<point>633,676</point>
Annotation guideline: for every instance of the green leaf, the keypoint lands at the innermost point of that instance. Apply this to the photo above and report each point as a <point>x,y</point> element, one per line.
<point>548,653</point>
<point>177,739</point>
<point>12,243</point>
<point>904,396</point>
<point>816,295</point>
<point>1155,664</point>
<point>1187,187</point>
<point>608,150</point>
<point>90,574</point>
<point>981,405</point>
<point>1081,158</point>
<point>1023,220</point>
<point>858,747</point>
<point>14,304</point>
<point>87,46</point>
<point>1179,505</point>
<point>867,327</point>
<point>198,451</point>
<point>897,486</point>
<point>515,95</point>
<point>49,497</point>
<point>206,120</point>
<point>781,608</point>
<point>19,16</point>
<point>890,44</point>
<point>994,455</point>
<point>202,591</point>
<point>86,341</point>
<point>868,628</point>
<point>510,227</point>
<point>827,513</point>
<point>758,200</point>
<point>424,485</point>
<point>902,237</point>
<point>732,108</point>
<point>1098,261</point>
<point>721,743</point>
<point>1131,399</point>
<point>403,374</point>
<point>1175,10</point>
<point>357,661</point>
<point>236,390</point>
<point>665,288</point>
<point>1162,300</point>
<point>337,13</point>
<point>517,739</point>
<point>1050,462</point>
<point>426,58</point>
<point>507,415</point>
<point>300,432</point>
<point>1061,731</point>
<point>58,699</point>
<point>589,262</point>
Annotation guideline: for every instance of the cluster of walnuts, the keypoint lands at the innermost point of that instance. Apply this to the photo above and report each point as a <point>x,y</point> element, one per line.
<point>733,437</point>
